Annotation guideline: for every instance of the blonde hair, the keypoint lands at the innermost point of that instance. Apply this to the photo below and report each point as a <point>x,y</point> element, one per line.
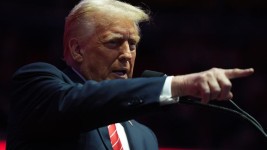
<point>83,15</point>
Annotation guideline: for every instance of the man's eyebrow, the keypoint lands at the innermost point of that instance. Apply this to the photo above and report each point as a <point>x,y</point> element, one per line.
<point>111,36</point>
<point>136,38</point>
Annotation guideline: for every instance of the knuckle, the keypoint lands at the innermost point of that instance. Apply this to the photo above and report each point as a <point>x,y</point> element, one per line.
<point>227,85</point>
<point>235,69</point>
<point>201,78</point>
<point>215,69</point>
<point>205,76</point>
<point>217,90</point>
<point>206,93</point>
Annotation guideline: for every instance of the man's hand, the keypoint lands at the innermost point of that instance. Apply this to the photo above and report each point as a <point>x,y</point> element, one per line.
<point>208,85</point>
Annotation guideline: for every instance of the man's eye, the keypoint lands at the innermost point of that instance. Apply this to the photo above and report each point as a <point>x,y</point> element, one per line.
<point>132,45</point>
<point>112,43</point>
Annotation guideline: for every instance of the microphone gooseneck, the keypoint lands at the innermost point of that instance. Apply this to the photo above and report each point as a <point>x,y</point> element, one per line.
<point>238,111</point>
<point>150,73</point>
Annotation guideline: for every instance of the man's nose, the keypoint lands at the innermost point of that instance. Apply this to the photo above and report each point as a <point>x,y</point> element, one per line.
<point>125,52</point>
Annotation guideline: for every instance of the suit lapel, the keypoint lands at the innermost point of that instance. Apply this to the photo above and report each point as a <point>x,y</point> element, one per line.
<point>139,136</point>
<point>103,132</point>
<point>129,127</point>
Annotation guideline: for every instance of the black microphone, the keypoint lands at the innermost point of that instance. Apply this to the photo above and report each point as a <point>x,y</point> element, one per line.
<point>150,73</point>
<point>193,101</point>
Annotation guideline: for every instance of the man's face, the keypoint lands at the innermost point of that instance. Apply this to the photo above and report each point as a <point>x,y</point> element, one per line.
<point>110,52</point>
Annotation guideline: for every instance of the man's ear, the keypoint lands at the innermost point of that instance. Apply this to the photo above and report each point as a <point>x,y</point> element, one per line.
<point>75,50</point>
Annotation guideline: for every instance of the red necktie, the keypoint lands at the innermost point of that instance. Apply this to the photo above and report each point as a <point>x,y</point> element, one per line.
<point>114,137</point>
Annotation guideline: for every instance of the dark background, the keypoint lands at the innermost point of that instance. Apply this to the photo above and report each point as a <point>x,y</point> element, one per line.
<point>184,36</point>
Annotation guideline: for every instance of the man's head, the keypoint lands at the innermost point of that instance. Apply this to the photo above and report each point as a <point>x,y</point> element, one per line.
<point>100,38</point>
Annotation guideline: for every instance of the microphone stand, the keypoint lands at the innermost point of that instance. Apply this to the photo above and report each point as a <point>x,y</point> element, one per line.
<point>241,113</point>
<point>238,111</point>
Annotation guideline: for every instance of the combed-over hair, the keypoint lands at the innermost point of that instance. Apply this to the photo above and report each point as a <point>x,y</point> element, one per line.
<point>84,14</point>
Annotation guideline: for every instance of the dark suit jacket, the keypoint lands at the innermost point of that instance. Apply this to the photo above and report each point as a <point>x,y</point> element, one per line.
<point>52,110</point>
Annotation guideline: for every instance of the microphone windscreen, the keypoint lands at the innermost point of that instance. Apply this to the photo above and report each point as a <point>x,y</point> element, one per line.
<point>150,73</point>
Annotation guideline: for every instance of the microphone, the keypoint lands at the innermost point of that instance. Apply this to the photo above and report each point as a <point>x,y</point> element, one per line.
<point>150,73</point>
<point>193,101</point>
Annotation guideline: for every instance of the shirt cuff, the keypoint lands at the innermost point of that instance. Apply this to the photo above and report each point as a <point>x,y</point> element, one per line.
<point>166,94</point>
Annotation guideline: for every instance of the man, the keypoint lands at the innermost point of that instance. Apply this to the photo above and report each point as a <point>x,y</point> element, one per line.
<point>71,109</point>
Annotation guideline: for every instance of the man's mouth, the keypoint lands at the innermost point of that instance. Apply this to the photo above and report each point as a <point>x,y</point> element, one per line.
<point>120,73</point>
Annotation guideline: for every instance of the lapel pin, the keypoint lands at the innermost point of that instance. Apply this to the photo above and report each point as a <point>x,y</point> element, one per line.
<point>130,122</point>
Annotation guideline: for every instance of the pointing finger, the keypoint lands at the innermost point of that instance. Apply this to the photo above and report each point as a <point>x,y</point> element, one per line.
<point>237,73</point>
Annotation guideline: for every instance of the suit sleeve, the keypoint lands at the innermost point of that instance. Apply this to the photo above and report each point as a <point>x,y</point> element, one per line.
<point>46,100</point>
